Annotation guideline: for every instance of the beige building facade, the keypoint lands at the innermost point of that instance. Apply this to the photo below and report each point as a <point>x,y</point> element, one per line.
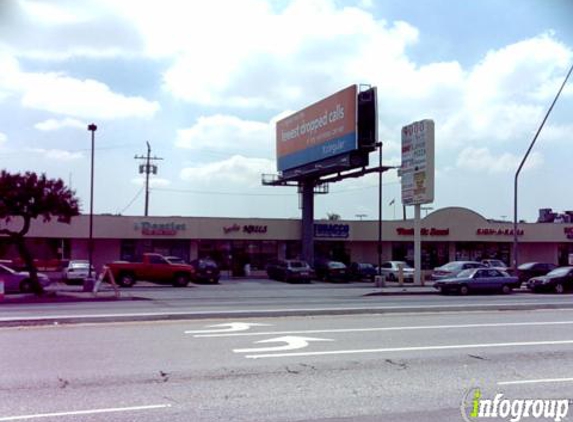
<point>448,234</point>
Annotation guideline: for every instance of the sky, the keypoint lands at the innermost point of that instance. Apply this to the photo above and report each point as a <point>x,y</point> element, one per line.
<point>204,82</point>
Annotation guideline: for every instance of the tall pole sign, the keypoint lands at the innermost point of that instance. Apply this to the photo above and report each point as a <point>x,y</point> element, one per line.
<point>417,173</point>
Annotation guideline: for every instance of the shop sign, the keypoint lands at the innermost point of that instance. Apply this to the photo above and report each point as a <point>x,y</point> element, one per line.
<point>568,232</point>
<point>247,228</point>
<point>498,232</point>
<point>159,229</point>
<point>424,232</point>
<point>332,231</point>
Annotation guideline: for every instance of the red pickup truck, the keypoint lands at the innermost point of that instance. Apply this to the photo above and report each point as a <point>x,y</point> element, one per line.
<point>154,268</point>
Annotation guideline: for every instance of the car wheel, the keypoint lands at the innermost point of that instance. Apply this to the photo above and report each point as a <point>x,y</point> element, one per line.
<point>464,290</point>
<point>126,280</point>
<point>26,286</point>
<point>559,288</point>
<point>181,280</point>
<point>391,277</point>
<point>505,289</point>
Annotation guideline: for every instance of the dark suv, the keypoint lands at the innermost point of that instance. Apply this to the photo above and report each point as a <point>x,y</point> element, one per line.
<point>289,270</point>
<point>206,270</point>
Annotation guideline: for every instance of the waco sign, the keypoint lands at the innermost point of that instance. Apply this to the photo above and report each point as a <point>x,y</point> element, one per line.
<point>333,134</point>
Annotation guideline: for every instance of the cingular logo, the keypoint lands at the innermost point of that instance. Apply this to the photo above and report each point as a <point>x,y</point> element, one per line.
<point>475,407</point>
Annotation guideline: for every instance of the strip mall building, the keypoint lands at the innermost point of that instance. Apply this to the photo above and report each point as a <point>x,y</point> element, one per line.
<point>448,234</point>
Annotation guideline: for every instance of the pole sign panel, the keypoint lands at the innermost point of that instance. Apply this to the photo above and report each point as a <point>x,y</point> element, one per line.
<point>417,168</point>
<point>323,130</point>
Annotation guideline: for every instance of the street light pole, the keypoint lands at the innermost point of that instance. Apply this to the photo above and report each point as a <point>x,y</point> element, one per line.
<point>92,128</point>
<point>515,241</point>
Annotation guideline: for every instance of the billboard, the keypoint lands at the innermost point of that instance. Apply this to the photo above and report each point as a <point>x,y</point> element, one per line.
<point>417,168</point>
<point>321,131</point>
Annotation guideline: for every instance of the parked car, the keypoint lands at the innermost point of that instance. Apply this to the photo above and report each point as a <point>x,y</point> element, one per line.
<point>495,263</point>
<point>76,271</point>
<point>533,269</point>
<point>290,270</point>
<point>331,271</point>
<point>477,280</point>
<point>19,281</point>
<point>391,270</point>
<point>206,270</point>
<point>362,270</point>
<point>453,268</point>
<point>558,280</point>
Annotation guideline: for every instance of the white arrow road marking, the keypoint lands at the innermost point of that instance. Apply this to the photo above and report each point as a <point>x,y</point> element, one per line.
<point>292,343</point>
<point>412,349</point>
<point>229,327</point>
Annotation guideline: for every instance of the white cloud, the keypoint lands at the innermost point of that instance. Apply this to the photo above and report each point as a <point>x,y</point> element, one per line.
<point>54,124</point>
<point>87,98</point>
<point>481,159</point>
<point>62,94</point>
<point>65,29</point>
<point>3,138</point>
<point>226,133</point>
<point>237,170</point>
<point>57,154</point>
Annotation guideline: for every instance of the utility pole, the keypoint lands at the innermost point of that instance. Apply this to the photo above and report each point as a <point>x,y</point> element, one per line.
<point>147,168</point>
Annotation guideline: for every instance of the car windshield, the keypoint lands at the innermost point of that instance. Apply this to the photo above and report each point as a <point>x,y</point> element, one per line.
<point>558,272</point>
<point>466,273</point>
<point>298,264</point>
<point>335,264</point>
<point>7,269</point>
<point>526,266</point>
<point>452,266</point>
<point>79,264</point>
<point>496,263</point>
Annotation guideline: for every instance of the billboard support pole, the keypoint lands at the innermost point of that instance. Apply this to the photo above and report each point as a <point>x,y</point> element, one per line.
<point>308,220</point>
<point>418,279</point>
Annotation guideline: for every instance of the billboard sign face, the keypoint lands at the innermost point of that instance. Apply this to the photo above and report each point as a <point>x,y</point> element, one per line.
<point>417,168</point>
<point>321,131</point>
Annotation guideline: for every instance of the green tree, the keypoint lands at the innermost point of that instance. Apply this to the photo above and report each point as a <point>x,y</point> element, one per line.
<point>332,216</point>
<point>26,197</point>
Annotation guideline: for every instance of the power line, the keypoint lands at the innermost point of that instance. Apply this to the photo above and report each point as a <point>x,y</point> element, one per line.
<point>133,200</point>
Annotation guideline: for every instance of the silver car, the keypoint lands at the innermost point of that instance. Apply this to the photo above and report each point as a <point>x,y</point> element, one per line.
<point>391,270</point>
<point>19,281</point>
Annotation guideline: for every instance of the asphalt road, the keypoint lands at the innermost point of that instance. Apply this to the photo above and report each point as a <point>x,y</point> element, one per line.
<point>260,298</point>
<point>393,367</point>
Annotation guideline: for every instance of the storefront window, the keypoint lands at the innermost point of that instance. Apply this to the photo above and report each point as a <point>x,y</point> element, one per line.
<point>466,251</point>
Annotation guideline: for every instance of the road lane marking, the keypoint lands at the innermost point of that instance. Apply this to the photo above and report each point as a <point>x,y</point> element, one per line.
<point>411,349</point>
<point>228,327</point>
<point>374,329</point>
<point>539,381</point>
<point>292,343</point>
<point>83,412</point>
